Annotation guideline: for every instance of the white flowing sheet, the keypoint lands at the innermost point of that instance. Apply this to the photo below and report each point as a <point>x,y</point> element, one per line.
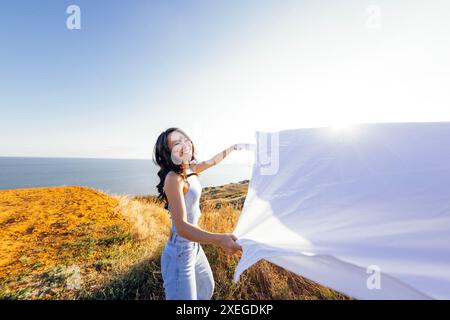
<point>364,211</point>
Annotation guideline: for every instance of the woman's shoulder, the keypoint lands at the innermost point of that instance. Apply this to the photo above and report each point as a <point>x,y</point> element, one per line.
<point>172,178</point>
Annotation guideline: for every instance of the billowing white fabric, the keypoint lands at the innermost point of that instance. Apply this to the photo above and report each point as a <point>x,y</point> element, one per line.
<point>364,211</point>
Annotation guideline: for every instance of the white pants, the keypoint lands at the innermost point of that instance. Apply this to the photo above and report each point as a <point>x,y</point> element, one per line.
<point>186,272</point>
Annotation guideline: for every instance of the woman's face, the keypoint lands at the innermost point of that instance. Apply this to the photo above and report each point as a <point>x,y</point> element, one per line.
<point>180,147</point>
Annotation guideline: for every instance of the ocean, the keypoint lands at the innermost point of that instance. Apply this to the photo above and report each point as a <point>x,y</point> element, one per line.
<point>113,176</point>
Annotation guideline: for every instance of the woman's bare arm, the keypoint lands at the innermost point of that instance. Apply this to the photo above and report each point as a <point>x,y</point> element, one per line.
<point>202,166</point>
<point>173,186</point>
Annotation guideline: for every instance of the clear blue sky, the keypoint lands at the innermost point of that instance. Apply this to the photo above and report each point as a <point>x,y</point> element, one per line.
<point>218,69</point>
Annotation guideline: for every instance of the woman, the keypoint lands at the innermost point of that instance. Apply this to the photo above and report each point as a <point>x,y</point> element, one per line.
<point>185,269</point>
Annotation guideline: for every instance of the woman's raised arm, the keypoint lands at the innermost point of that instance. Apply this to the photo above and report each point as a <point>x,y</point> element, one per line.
<point>202,166</point>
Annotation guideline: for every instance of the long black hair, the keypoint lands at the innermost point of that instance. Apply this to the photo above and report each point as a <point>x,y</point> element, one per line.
<point>162,158</point>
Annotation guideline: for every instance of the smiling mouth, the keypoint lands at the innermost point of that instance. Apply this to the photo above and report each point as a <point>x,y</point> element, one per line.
<point>188,151</point>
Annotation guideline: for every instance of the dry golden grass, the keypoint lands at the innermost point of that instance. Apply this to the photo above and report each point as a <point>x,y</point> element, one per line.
<point>32,219</point>
<point>115,243</point>
<point>46,231</point>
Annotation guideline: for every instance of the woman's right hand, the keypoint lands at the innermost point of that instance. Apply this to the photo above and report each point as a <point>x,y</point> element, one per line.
<point>227,242</point>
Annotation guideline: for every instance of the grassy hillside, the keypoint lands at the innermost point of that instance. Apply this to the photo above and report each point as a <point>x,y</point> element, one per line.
<point>75,242</point>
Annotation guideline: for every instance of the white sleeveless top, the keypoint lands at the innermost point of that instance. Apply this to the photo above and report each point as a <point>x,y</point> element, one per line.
<point>191,200</point>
